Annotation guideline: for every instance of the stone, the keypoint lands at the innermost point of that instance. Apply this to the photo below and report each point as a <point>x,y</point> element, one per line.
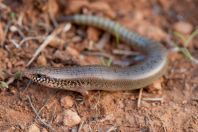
<point>67,102</point>
<point>183,27</point>
<point>71,118</point>
<point>33,128</point>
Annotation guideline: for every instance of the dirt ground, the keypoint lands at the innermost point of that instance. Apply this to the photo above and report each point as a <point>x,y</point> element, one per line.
<point>169,105</point>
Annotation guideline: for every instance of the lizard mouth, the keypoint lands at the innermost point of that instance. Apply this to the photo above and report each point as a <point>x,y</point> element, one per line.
<point>27,73</point>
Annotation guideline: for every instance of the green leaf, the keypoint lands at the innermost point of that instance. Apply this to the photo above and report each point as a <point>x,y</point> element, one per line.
<point>18,75</point>
<point>191,37</point>
<point>106,62</point>
<point>3,85</point>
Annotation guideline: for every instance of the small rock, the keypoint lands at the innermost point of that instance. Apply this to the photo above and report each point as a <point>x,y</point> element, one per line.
<point>42,60</point>
<point>13,28</point>
<point>67,102</point>
<point>44,130</point>
<point>145,104</point>
<point>12,128</point>
<point>76,39</point>
<point>184,102</point>
<point>57,43</point>
<point>13,91</point>
<point>156,87</point>
<point>72,51</point>
<point>71,118</point>
<point>33,128</point>
<point>67,27</point>
<point>183,27</point>
<point>138,16</point>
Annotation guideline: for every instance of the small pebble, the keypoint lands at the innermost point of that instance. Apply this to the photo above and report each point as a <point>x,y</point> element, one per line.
<point>156,87</point>
<point>67,102</point>
<point>184,102</point>
<point>44,130</point>
<point>183,27</point>
<point>71,118</point>
<point>33,128</point>
<point>13,28</point>
<point>57,43</point>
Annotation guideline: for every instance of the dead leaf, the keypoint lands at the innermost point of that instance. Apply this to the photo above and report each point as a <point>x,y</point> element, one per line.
<point>42,61</point>
<point>98,6</point>
<point>51,7</point>
<point>93,34</point>
<point>74,6</point>
<point>102,7</point>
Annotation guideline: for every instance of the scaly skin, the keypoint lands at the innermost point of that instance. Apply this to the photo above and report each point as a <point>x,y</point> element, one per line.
<point>84,78</point>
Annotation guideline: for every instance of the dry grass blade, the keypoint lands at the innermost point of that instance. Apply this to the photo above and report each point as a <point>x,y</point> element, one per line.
<point>103,41</point>
<point>31,38</point>
<point>153,99</point>
<point>139,98</point>
<point>186,42</point>
<point>43,45</point>
<point>35,111</point>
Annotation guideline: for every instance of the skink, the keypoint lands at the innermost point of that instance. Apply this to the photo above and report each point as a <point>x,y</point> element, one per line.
<point>95,77</point>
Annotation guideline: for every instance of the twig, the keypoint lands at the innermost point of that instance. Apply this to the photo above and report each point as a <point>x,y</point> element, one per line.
<point>102,42</point>
<point>125,52</point>
<point>53,20</point>
<point>3,6</point>
<point>53,115</point>
<point>80,127</point>
<point>47,100</point>
<point>20,19</point>
<point>139,98</point>
<point>113,128</point>
<point>20,32</point>
<point>30,38</point>
<point>44,44</point>
<point>28,84</point>
<point>15,43</point>
<point>6,32</point>
<point>11,80</point>
<point>101,54</point>
<point>153,99</point>
<point>35,111</point>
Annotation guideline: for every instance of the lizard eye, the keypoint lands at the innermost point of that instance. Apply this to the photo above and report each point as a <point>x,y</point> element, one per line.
<point>39,76</point>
